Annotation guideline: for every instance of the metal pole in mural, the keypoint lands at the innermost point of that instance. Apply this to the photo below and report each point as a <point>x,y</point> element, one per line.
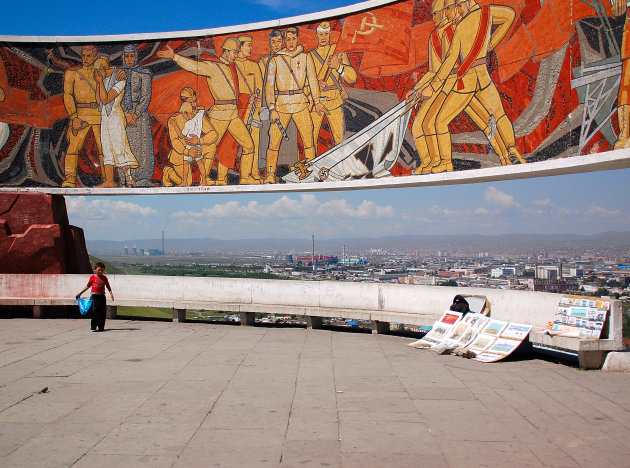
<point>401,93</point>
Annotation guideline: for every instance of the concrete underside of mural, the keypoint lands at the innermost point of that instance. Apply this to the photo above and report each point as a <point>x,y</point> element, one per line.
<point>401,94</point>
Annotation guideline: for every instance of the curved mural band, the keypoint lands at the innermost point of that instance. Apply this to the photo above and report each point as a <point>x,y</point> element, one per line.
<point>401,93</point>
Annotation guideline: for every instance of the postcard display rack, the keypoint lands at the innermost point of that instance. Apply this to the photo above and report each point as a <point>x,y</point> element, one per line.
<point>489,339</point>
<point>580,317</point>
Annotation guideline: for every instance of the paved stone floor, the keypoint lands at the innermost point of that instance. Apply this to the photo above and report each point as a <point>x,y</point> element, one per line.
<point>186,395</point>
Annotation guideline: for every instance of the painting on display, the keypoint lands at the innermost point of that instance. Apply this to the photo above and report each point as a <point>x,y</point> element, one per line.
<point>475,335</point>
<point>411,88</point>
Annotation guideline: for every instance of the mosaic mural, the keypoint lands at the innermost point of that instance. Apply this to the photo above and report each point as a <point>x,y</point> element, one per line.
<point>405,89</point>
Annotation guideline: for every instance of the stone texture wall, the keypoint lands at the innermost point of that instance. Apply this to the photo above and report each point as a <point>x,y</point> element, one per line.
<point>36,237</point>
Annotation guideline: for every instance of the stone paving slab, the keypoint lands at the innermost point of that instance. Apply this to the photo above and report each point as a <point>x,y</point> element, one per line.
<point>163,394</point>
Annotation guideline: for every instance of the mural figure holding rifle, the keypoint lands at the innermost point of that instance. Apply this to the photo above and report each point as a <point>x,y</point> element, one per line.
<point>251,85</point>
<point>333,69</point>
<point>290,71</point>
<point>222,79</point>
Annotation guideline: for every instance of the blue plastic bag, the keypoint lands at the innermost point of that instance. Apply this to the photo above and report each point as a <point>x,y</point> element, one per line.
<point>85,303</point>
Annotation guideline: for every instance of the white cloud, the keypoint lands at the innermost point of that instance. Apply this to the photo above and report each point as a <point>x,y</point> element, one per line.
<point>108,209</point>
<point>568,212</point>
<point>305,207</point>
<point>496,197</point>
<point>601,212</point>
<point>482,211</point>
<point>545,202</point>
<point>455,215</point>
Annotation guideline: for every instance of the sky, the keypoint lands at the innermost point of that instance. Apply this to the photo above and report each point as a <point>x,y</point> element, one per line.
<point>584,203</point>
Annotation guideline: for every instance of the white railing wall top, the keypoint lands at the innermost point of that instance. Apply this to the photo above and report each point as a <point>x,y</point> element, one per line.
<point>411,304</point>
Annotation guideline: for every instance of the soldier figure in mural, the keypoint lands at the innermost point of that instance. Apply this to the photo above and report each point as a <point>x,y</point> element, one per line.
<point>191,135</point>
<point>135,104</point>
<point>276,44</point>
<point>333,69</point>
<point>425,121</point>
<point>114,142</point>
<point>468,86</point>
<point>222,79</point>
<point>250,82</point>
<point>79,99</point>
<point>290,71</point>
<point>436,50</point>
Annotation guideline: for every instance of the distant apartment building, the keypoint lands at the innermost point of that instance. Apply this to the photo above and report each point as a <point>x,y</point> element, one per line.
<point>513,283</point>
<point>547,272</point>
<point>590,288</point>
<point>450,273</point>
<point>552,285</point>
<point>353,261</point>
<point>319,260</point>
<point>502,272</point>
<point>414,279</point>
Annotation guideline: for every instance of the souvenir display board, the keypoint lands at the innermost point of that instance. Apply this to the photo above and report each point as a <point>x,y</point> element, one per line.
<point>487,339</point>
<point>579,316</point>
<point>379,94</point>
<point>441,330</point>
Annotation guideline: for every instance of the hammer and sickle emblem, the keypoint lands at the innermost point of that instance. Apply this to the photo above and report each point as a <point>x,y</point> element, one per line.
<point>373,25</point>
<point>303,170</point>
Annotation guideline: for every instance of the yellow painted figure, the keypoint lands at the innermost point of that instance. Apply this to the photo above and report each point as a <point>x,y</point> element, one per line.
<point>479,114</point>
<point>79,99</point>
<point>187,148</point>
<point>333,70</point>
<point>250,82</point>
<point>276,44</point>
<point>223,85</point>
<point>436,50</point>
<point>289,72</point>
<point>469,80</point>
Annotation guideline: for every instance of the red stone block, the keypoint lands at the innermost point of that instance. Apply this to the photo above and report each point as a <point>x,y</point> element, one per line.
<point>35,236</point>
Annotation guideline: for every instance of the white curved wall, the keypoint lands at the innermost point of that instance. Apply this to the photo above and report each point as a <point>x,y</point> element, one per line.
<point>410,304</point>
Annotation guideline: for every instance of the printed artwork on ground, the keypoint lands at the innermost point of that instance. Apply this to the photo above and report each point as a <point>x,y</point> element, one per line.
<point>406,89</point>
<point>474,335</point>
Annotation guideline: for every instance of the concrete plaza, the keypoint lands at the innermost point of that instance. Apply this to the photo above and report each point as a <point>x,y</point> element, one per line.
<point>188,394</point>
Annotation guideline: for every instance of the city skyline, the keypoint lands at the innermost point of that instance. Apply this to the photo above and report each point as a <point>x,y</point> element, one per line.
<point>584,203</point>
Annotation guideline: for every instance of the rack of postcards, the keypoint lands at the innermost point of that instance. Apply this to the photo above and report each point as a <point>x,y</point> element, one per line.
<point>579,317</point>
<point>473,336</point>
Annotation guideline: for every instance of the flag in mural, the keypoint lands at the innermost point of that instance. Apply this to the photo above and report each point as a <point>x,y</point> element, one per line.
<point>370,153</point>
<point>407,89</point>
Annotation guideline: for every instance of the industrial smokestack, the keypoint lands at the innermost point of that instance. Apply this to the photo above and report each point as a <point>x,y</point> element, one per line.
<point>313,252</point>
<point>162,241</point>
